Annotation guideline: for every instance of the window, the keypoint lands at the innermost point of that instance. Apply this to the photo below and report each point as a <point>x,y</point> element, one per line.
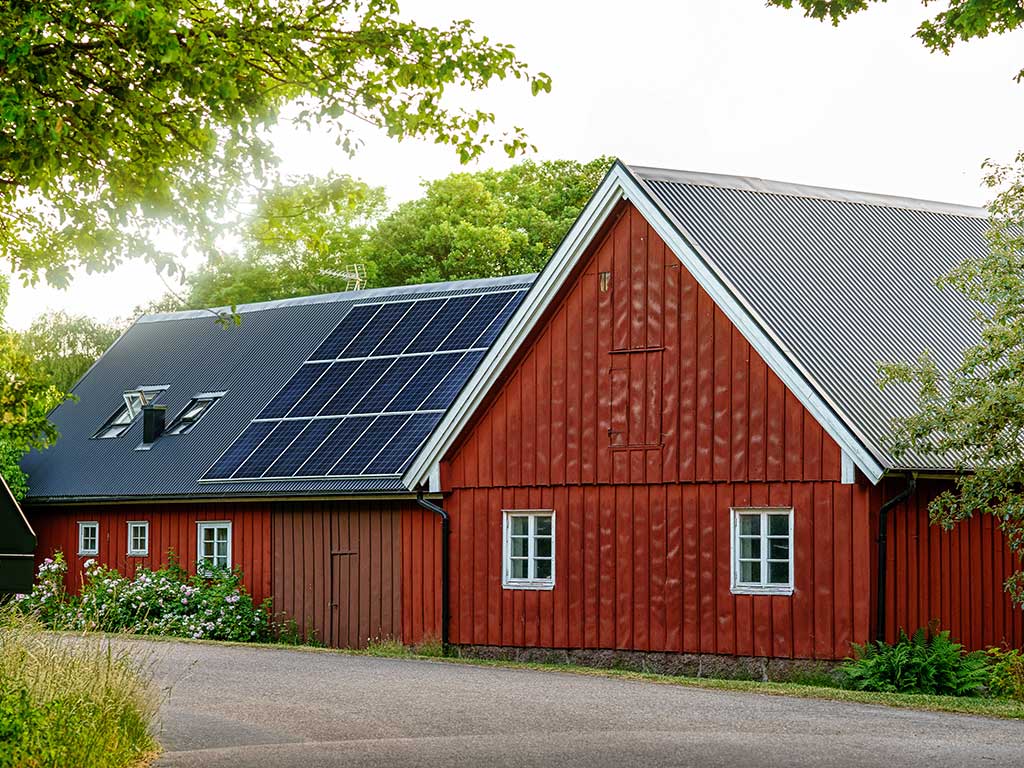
<point>123,417</point>
<point>192,413</point>
<point>88,537</point>
<point>214,546</point>
<point>529,549</point>
<point>138,537</point>
<point>762,551</point>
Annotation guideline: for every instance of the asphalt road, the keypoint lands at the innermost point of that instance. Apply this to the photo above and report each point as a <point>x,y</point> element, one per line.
<point>243,707</point>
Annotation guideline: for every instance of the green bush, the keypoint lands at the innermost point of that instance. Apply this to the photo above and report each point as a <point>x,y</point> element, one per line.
<point>168,601</point>
<point>929,662</point>
<point>71,702</point>
<point>1006,673</point>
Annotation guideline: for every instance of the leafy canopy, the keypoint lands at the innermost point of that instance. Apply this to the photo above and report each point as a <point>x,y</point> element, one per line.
<point>962,20</point>
<point>63,346</point>
<point>466,225</point>
<point>27,395</point>
<point>295,243</point>
<point>122,123</point>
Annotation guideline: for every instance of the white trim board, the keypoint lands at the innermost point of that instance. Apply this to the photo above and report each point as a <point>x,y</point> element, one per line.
<point>620,184</point>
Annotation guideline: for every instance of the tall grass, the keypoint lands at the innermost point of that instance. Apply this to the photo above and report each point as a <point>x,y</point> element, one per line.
<point>71,701</point>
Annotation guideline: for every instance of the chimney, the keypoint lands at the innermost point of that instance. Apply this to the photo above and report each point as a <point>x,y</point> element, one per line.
<point>154,419</point>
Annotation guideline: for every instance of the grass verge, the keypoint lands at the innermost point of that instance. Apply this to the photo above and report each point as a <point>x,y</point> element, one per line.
<point>65,703</point>
<point>967,705</point>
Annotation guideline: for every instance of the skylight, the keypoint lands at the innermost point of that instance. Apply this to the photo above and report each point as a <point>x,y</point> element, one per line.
<point>197,407</point>
<point>123,417</point>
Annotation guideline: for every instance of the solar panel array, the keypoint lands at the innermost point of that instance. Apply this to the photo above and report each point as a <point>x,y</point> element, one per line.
<point>372,392</point>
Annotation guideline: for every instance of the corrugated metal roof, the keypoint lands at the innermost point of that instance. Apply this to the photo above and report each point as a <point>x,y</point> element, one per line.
<point>843,280</point>
<point>191,353</point>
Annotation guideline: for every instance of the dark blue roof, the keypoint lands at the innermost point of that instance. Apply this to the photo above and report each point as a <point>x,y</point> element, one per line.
<point>190,353</point>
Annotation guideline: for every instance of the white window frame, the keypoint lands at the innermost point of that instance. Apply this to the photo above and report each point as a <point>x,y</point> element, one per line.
<point>507,582</point>
<point>764,587</point>
<point>81,539</point>
<point>203,525</point>
<point>132,550</point>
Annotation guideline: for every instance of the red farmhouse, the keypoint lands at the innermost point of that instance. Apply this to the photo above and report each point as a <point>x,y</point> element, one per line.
<point>670,440</point>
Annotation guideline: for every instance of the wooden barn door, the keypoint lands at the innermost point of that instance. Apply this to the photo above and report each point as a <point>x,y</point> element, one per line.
<point>344,577</point>
<point>337,569</point>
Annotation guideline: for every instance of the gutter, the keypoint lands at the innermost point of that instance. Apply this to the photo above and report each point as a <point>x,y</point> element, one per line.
<point>883,524</point>
<point>445,532</point>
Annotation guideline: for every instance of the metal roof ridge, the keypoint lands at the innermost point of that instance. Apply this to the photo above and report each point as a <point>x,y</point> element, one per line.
<point>793,189</point>
<point>344,296</point>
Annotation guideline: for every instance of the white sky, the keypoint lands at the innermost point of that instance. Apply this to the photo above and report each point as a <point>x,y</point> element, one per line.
<point>727,86</point>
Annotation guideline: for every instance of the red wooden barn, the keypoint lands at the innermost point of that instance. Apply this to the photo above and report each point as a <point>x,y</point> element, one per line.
<point>670,440</point>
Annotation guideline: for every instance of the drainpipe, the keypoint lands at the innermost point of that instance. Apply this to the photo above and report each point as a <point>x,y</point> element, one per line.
<point>445,530</point>
<point>883,524</point>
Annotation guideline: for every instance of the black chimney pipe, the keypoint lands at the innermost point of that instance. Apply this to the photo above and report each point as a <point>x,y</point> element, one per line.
<point>154,419</point>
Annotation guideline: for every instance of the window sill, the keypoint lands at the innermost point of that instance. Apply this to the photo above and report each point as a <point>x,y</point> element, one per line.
<point>89,554</point>
<point>138,554</point>
<point>534,585</point>
<point>778,591</point>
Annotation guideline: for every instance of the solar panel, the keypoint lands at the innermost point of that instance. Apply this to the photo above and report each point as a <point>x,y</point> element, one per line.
<point>293,390</point>
<point>357,319</point>
<point>341,439</point>
<point>269,449</point>
<point>419,386</point>
<point>451,385</point>
<point>372,391</point>
<point>244,444</point>
<point>397,453</point>
<point>368,445</point>
<point>437,330</point>
<point>312,436</point>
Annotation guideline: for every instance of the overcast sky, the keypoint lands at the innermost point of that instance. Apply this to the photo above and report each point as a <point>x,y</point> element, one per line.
<point>727,86</point>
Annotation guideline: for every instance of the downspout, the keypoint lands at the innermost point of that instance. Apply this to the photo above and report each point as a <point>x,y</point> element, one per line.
<point>883,524</point>
<point>445,530</point>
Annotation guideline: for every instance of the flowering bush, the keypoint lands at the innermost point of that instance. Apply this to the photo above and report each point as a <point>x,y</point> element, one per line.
<point>48,599</point>
<point>168,601</point>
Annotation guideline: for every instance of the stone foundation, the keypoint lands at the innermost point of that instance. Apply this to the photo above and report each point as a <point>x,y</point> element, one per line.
<point>682,664</point>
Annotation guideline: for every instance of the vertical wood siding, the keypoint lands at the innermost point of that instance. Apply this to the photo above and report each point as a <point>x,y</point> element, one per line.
<point>644,382</point>
<point>171,527</point>
<point>954,577</point>
<point>337,569</point>
<point>641,415</point>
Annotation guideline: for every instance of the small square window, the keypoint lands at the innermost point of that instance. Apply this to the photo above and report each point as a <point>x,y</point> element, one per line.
<point>88,537</point>
<point>529,549</point>
<point>762,551</point>
<point>138,538</point>
<point>190,415</point>
<point>123,418</point>
<point>214,543</point>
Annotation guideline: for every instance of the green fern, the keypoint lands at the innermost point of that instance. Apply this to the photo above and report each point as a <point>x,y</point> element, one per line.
<point>926,662</point>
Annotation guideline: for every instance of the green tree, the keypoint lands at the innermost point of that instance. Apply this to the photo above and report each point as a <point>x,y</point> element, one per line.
<point>975,411</point>
<point>27,395</point>
<point>962,20</point>
<point>465,225</point>
<point>63,346</point>
<point>295,243</point>
<point>121,121</point>
<point>483,224</point>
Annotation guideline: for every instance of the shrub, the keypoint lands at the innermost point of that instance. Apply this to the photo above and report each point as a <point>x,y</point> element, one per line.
<point>48,598</point>
<point>929,662</point>
<point>168,601</point>
<point>70,702</point>
<point>1006,673</point>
